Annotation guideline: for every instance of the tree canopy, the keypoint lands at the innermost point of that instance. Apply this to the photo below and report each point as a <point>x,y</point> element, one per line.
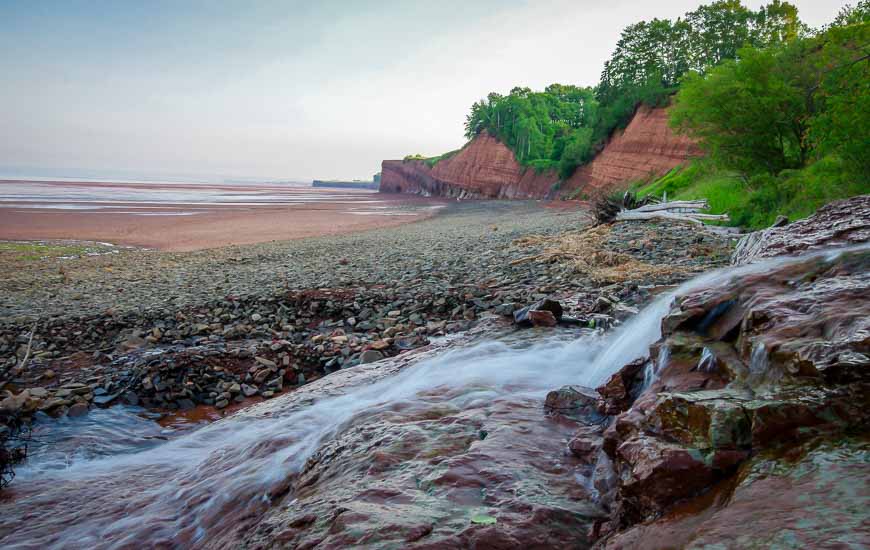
<point>564,125</point>
<point>537,126</point>
<point>785,105</point>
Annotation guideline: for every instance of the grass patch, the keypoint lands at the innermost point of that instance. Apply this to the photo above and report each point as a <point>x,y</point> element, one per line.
<point>34,251</point>
<point>755,203</point>
<point>432,161</point>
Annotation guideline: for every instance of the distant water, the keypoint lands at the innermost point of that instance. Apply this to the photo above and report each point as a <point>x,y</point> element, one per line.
<point>173,198</point>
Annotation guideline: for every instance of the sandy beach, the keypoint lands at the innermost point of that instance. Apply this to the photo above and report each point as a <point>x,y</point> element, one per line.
<point>183,217</point>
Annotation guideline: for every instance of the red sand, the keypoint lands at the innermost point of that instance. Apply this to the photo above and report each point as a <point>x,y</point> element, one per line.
<point>219,226</point>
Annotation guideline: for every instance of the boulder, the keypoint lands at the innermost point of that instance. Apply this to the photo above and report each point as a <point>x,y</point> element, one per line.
<point>525,316</point>
<point>542,319</point>
<point>370,356</point>
<point>575,402</point>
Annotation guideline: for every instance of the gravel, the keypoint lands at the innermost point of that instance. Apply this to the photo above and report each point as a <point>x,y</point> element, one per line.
<point>212,327</point>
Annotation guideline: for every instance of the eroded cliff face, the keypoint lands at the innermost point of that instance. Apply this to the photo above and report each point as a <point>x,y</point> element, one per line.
<point>486,168</point>
<point>483,169</point>
<point>647,148</point>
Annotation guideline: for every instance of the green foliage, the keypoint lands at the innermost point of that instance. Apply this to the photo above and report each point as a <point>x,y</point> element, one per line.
<point>662,51</point>
<point>780,107</point>
<point>851,15</point>
<point>537,126</point>
<point>749,115</point>
<point>578,149</point>
<point>563,126</point>
<point>432,161</point>
<point>755,203</point>
<point>797,193</point>
<point>415,156</point>
<point>841,95</point>
<point>780,110</point>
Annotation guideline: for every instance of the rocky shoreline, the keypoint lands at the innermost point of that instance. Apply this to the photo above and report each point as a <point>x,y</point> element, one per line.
<point>751,409</point>
<point>245,332</point>
<point>752,397</point>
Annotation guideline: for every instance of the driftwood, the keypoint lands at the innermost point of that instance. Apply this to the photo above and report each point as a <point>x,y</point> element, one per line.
<point>673,205</point>
<point>23,363</point>
<point>685,211</point>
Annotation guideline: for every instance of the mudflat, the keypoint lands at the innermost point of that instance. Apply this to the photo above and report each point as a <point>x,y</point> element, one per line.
<point>184,217</point>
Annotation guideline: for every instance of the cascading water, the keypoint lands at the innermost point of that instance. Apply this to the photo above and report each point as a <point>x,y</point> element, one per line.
<point>186,491</point>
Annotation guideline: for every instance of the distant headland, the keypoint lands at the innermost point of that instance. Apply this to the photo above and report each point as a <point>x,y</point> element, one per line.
<point>374,183</point>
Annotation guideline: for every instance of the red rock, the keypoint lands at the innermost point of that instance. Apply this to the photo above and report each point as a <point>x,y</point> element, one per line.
<point>616,393</point>
<point>542,318</point>
<point>646,148</point>
<point>840,223</point>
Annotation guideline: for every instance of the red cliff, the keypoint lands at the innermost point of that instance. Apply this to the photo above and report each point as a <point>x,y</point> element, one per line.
<point>486,168</point>
<point>647,148</point>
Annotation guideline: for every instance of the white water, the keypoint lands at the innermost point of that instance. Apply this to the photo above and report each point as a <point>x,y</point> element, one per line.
<point>187,487</point>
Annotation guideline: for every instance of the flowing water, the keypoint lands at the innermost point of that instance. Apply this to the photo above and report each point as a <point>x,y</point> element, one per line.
<point>117,480</point>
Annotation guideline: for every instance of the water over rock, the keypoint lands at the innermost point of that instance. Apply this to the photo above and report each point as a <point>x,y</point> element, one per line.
<point>766,372</point>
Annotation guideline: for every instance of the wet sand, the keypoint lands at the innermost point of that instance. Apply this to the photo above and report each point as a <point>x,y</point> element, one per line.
<point>184,226</point>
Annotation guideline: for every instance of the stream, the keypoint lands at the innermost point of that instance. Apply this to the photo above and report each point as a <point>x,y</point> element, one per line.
<point>115,478</point>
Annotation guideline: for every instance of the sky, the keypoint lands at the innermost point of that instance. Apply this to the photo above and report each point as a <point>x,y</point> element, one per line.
<point>285,89</point>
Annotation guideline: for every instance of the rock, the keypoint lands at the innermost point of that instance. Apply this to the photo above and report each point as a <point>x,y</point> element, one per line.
<point>602,305</point>
<point>380,345</point>
<point>133,342</point>
<point>234,388</point>
<point>78,409</point>
<point>37,392</point>
<point>105,400</point>
<point>221,403</point>
<point>266,362</point>
<point>586,443</point>
<point>573,401</point>
<point>542,319</point>
<point>248,391</point>
<point>370,356</point>
<point>619,391</point>
<point>486,168</point>
<point>186,404</point>
<point>523,317</point>
<point>840,223</point>
<point>758,365</point>
<point>256,317</point>
<point>53,403</point>
<point>14,403</point>
<point>807,497</point>
<point>505,309</point>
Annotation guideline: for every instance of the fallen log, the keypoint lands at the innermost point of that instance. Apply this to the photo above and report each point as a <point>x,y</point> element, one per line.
<point>634,215</point>
<point>700,204</point>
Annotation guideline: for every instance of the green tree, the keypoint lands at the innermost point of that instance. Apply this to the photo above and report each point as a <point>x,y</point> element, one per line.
<point>537,126</point>
<point>749,114</point>
<point>841,96</point>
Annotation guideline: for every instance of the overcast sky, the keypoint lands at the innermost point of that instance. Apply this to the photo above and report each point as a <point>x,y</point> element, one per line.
<point>284,89</point>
